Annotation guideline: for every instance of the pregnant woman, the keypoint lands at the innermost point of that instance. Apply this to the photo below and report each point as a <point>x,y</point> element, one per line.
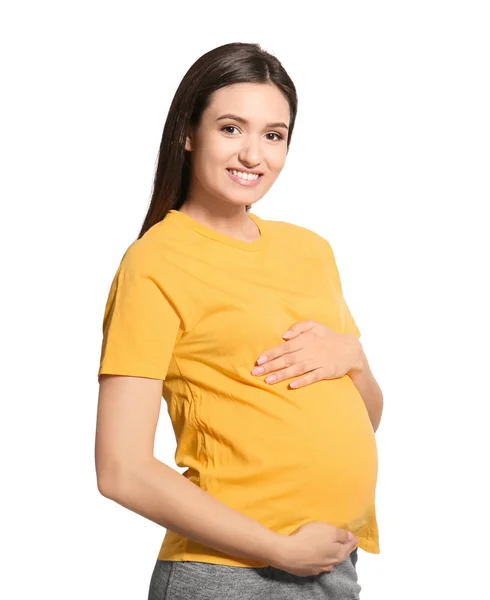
<point>240,324</point>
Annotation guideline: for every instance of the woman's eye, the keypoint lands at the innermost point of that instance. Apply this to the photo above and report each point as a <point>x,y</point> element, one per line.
<point>279,136</point>
<point>228,127</point>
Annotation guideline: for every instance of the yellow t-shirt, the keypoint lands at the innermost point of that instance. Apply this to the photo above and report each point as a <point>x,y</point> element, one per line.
<point>196,308</point>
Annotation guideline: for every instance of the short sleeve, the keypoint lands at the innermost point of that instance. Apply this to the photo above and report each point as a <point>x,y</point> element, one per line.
<point>348,322</point>
<point>140,325</point>
<point>350,325</point>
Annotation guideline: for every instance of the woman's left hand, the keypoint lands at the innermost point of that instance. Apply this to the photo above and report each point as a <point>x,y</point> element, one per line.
<point>314,349</point>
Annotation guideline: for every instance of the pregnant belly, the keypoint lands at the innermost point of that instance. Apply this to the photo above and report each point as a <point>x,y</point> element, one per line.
<point>292,455</point>
<point>337,478</point>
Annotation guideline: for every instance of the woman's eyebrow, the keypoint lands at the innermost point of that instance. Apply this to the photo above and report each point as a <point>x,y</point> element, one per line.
<point>245,122</point>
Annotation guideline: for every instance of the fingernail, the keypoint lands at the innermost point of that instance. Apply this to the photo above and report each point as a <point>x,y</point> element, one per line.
<point>350,536</point>
<point>261,360</point>
<point>257,370</point>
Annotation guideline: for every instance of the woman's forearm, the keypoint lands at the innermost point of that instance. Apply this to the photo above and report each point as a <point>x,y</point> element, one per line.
<point>369,389</point>
<point>163,495</point>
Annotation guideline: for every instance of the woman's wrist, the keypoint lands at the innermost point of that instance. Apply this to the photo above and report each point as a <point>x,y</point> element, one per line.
<point>358,360</point>
<point>280,550</point>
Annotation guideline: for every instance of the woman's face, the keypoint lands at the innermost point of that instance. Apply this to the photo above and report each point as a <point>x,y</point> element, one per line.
<point>258,143</point>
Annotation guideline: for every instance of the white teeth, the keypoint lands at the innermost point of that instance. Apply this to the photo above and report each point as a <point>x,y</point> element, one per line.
<point>243,175</point>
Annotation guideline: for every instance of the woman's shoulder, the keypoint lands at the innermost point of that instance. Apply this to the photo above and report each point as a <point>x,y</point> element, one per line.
<point>293,232</point>
<point>148,251</point>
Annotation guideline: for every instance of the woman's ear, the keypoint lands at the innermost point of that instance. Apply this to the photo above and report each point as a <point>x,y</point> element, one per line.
<point>188,141</point>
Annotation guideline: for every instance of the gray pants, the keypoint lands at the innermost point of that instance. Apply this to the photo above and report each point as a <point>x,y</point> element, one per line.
<point>190,580</point>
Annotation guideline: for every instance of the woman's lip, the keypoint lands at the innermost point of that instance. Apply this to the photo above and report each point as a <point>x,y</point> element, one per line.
<point>241,171</point>
<point>244,182</point>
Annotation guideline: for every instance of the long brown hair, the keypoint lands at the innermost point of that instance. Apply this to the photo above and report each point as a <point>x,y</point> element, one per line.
<point>225,65</point>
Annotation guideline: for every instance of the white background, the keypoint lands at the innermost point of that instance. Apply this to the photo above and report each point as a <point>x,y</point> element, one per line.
<point>389,161</point>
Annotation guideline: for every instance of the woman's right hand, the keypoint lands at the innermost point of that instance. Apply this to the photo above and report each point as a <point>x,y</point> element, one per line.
<point>314,548</point>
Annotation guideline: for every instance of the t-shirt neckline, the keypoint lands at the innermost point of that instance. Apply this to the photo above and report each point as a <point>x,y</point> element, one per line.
<point>203,229</point>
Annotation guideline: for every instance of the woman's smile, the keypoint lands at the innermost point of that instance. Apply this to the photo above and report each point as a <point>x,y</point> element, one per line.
<point>247,179</point>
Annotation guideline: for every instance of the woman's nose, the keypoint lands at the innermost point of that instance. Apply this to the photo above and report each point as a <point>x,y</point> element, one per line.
<point>250,153</point>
